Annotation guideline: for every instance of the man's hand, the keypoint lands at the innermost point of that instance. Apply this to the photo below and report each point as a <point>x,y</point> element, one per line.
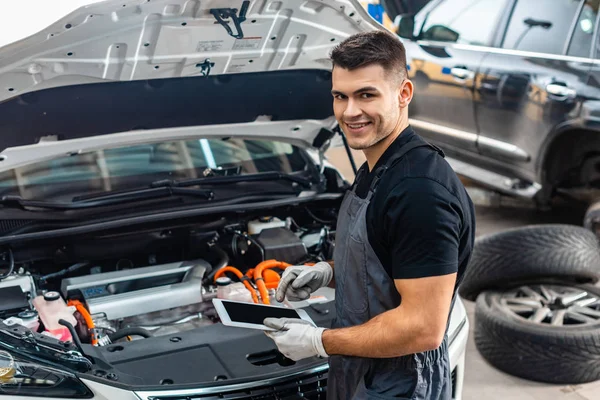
<point>296,338</point>
<point>299,281</point>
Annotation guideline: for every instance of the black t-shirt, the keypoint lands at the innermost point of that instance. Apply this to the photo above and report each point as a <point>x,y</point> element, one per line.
<point>420,221</point>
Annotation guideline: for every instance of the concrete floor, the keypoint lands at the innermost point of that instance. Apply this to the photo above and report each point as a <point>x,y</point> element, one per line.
<point>482,381</point>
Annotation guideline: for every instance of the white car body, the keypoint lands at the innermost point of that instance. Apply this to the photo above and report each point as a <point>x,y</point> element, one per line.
<point>87,43</point>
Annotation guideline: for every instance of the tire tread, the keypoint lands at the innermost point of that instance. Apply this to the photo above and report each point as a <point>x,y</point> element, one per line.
<point>538,251</point>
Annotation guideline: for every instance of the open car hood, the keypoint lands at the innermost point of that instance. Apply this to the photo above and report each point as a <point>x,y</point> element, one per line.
<point>130,65</point>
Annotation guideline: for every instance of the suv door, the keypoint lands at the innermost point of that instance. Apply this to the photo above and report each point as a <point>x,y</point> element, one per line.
<point>533,81</point>
<point>442,63</point>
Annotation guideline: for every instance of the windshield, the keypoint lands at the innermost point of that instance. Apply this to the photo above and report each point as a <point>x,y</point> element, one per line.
<point>137,166</point>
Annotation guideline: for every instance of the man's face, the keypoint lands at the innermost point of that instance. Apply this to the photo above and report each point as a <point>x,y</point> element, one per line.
<point>367,104</point>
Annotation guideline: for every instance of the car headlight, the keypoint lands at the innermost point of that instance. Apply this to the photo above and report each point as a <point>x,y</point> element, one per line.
<point>21,377</point>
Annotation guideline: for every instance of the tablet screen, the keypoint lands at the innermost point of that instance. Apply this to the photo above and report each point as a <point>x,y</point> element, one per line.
<point>255,314</point>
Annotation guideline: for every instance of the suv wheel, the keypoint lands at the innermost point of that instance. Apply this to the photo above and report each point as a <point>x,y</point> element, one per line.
<point>542,332</point>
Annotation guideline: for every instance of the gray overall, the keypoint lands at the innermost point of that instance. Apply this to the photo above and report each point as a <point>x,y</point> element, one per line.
<point>363,290</point>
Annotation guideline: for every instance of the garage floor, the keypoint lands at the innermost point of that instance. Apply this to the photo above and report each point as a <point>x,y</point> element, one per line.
<point>482,381</point>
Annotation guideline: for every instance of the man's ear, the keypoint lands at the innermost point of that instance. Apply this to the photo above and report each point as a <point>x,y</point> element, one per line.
<point>405,93</point>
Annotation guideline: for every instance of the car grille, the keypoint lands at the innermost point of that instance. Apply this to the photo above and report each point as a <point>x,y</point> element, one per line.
<point>311,387</point>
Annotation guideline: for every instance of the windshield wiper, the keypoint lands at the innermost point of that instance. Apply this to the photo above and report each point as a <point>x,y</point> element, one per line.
<point>219,180</point>
<point>157,189</point>
<point>106,199</point>
<point>167,186</point>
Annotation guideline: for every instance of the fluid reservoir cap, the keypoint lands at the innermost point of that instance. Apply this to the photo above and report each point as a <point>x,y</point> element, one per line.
<point>51,296</point>
<point>223,281</point>
<point>27,314</point>
<point>7,366</point>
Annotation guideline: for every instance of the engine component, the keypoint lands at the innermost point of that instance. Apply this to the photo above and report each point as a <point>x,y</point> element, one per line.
<point>52,309</point>
<point>63,272</point>
<point>221,262</point>
<point>11,265</point>
<point>86,328</point>
<point>257,226</point>
<point>113,337</point>
<point>164,322</point>
<point>321,244</point>
<point>28,319</point>
<point>265,295</point>
<point>25,281</point>
<point>73,334</point>
<point>122,294</point>
<point>228,290</point>
<point>127,332</point>
<point>279,244</point>
<point>12,301</point>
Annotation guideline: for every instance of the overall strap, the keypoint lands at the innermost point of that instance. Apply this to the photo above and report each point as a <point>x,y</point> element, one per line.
<point>357,179</point>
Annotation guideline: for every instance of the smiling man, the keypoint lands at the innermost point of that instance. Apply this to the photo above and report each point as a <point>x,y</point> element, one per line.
<point>404,236</point>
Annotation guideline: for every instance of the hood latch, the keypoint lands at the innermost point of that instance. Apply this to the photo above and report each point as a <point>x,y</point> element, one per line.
<point>205,66</point>
<point>222,14</point>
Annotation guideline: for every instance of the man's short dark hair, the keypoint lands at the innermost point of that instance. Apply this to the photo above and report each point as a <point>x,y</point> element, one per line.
<point>368,48</point>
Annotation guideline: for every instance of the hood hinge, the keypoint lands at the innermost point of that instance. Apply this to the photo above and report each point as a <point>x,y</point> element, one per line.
<point>205,66</point>
<point>221,14</point>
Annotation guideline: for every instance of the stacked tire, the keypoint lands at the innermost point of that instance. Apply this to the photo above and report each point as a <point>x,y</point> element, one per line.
<point>537,313</point>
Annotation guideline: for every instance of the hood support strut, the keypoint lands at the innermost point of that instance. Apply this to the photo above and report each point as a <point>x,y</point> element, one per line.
<point>221,14</point>
<point>347,147</point>
<point>322,142</point>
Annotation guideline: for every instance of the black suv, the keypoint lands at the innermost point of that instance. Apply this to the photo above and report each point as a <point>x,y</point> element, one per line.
<point>510,90</point>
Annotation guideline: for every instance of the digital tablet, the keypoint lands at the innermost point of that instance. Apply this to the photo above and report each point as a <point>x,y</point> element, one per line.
<point>250,315</point>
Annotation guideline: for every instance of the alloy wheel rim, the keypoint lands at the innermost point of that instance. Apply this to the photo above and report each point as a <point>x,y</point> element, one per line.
<point>552,305</point>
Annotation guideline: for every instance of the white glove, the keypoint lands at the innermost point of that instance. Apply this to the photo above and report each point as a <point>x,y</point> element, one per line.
<point>296,338</point>
<point>299,281</point>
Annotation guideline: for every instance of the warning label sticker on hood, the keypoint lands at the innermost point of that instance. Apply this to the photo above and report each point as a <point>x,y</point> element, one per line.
<point>209,45</point>
<point>247,43</point>
<point>239,65</point>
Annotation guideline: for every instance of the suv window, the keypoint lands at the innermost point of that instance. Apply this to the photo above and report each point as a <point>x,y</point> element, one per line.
<point>541,26</point>
<point>463,21</point>
<point>583,33</point>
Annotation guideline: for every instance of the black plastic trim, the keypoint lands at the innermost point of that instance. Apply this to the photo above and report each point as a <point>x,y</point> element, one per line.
<point>128,222</point>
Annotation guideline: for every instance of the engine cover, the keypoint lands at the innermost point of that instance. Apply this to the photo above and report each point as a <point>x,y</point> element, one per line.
<point>279,244</point>
<point>123,294</point>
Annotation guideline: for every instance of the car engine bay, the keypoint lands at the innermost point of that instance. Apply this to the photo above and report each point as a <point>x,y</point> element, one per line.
<point>127,286</point>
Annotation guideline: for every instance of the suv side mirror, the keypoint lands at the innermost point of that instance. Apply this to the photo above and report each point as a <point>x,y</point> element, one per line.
<point>442,33</point>
<point>406,26</point>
